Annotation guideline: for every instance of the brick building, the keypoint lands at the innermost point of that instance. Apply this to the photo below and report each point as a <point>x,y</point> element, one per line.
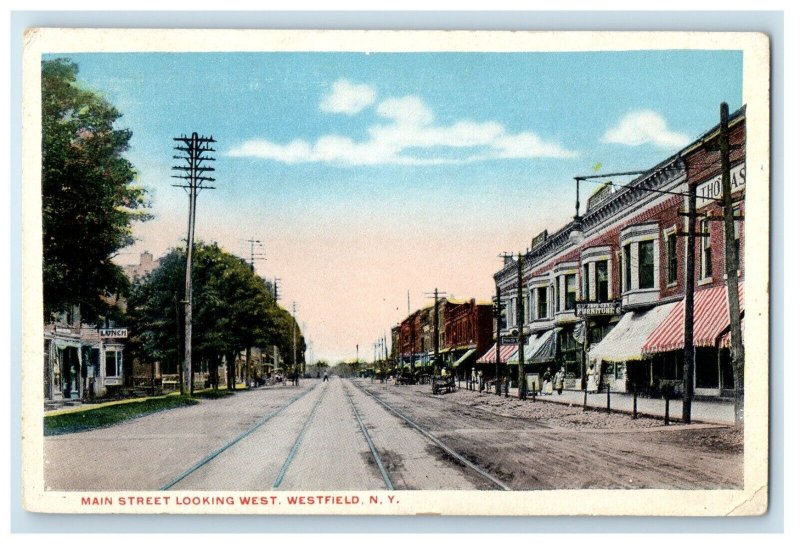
<point>602,296</point>
<point>465,329</point>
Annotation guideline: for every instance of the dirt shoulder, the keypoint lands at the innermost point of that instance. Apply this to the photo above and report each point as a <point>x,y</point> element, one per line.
<point>552,446</point>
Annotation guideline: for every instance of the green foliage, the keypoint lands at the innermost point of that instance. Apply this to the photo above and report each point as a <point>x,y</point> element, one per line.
<point>104,416</point>
<point>232,309</point>
<point>89,200</point>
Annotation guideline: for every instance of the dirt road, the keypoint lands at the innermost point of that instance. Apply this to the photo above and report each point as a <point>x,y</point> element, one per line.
<point>359,435</point>
<point>550,446</point>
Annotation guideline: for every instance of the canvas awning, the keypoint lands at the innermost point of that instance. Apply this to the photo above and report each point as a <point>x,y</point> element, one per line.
<point>625,342</point>
<point>469,353</point>
<point>490,357</point>
<point>725,341</point>
<point>545,348</point>
<point>529,347</point>
<point>711,319</point>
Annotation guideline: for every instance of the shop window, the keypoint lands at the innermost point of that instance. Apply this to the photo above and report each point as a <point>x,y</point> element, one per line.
<point>601,281</point>
<point>626,276</point>
<point>706,368</point>
<point>572,291</point>
<point>113,364</point>
<point>706,268</point>
<point>646,265</point>
<point>672,258</point>
<point>541,294</point>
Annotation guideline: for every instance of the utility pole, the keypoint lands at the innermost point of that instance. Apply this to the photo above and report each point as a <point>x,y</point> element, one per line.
<point>731,267</point>
<point>520,323</point>
<point>688,309</point>
<point>436,295</point>
<point>498,314</point>
<point>294,339</point>
<point>195,152</point>
<point>275,292</point>
<point>435,331</point>
<point>254,255</point>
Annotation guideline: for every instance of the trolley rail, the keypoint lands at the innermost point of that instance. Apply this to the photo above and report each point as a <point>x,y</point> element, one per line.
<point>451,452</point>
<point>210,457</point>
<point>384,473</point>
<point>298,441</point>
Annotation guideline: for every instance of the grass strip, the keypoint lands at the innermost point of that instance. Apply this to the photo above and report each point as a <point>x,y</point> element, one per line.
<point>72,422</point>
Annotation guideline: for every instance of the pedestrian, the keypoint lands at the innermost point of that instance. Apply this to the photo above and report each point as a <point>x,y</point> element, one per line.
<point>560,380</point>
<point>547,387</point>
<point>325,377</point>
<point>591,379</point>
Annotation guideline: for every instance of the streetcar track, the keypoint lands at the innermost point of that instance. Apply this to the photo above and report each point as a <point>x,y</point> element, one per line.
<point>451,452</point>
<point>384,473</point>
<point>299,440</point>
<point>210,457</point>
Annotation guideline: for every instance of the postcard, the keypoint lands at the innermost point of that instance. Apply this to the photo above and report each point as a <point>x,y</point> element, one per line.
<point>395,272</point>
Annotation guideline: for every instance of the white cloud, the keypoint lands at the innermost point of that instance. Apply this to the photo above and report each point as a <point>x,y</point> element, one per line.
<point>644,127</point>
<point>409,137</point>
<point>347,98</point>
<point>408,110</point>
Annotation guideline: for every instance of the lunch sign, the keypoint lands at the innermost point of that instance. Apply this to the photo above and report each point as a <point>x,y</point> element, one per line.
<point>113,333</point>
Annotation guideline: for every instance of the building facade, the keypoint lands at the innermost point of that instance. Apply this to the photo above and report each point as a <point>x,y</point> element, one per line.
<point>603,295</point>
<point>464,330</point>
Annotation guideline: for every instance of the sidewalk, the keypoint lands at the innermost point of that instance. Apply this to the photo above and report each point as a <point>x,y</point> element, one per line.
<point>702,411</point>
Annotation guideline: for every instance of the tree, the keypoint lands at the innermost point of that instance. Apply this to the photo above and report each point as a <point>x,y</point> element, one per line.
<point>233,311</point>
<point>89,199</point>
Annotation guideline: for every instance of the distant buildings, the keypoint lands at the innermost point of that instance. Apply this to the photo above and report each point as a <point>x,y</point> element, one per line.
<point>146,265</point>
<point>465,330</point>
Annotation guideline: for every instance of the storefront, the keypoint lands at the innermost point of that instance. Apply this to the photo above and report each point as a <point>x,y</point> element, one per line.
<point>62,364</point>
<point>619,359</point>
<point>486,362</point>
<point>713,370</point>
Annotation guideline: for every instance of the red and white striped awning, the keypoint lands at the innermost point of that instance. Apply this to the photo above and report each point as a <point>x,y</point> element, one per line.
<point>725,341</point>
<point>490,357</point>
<point>711,318</point>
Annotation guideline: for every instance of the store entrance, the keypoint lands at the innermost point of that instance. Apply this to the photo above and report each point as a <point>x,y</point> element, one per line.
<point>70,373</point>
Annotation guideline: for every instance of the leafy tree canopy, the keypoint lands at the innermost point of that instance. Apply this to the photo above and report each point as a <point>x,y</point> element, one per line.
<point>89,198</point>
<point>232,309</point>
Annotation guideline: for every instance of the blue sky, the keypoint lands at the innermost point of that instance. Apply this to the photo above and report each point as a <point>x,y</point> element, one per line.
<point>370,175</point>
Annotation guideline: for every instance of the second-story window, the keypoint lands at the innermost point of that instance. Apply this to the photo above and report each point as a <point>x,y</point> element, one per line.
<point>706,268</point>
<point>626,274</point>
<point>672,258</point>
<point>585,281</point>
<point>572,291</point>
<point>646,265</point>
<point>737,226</point>
<point>601,281</point>
<point>558,292</point>
<point>541,300</point>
